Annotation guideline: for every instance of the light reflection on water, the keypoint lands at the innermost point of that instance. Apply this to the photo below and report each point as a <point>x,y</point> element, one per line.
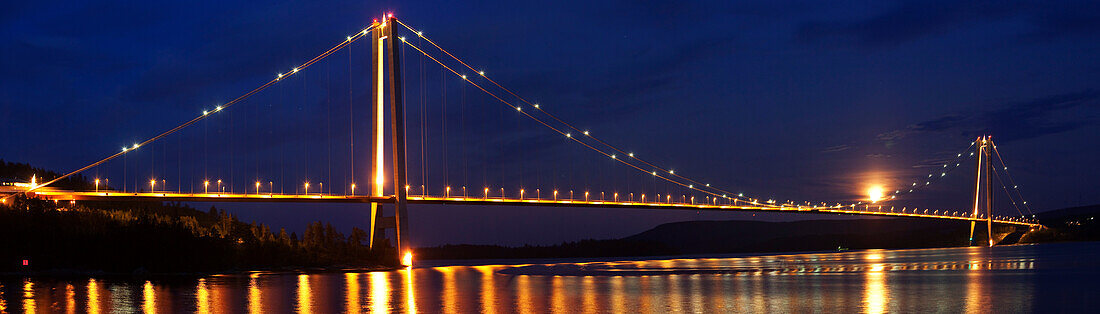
<point>1012,279</point>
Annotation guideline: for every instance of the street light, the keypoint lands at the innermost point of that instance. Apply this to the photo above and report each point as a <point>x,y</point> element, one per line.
<point>152,185</point>
<point>206,186</point>
<point>307,188</point>
<point>521,194</point>
<point>257,187</point>
<point>220,186</point>
<point>447,192</point>
<point>486,193</point>
<point>555,195</point>
<point>97,185</point>
<point>353,189</point>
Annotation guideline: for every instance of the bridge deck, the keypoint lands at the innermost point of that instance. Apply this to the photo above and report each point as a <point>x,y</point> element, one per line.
<point>480,201</point>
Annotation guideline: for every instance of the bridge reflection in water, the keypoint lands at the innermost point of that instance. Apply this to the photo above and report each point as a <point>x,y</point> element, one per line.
<point>876,281</point>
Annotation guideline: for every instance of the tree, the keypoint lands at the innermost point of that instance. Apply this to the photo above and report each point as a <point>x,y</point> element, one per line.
<point>284,238</point>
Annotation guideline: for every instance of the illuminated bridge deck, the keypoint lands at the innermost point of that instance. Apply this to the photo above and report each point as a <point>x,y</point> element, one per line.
<point>58,195</point>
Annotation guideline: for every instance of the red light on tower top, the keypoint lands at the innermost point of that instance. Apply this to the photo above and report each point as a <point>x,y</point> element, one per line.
<point>26,262</point>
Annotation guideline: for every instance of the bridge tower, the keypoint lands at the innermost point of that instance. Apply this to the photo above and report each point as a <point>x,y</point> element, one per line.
<point>385,63</point>
<point>983,186</point>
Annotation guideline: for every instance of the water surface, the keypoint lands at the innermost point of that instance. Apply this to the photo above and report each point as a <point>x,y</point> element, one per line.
<point>1001,279</point>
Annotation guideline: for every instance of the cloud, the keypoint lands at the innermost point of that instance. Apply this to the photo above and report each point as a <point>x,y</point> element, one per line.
<point>1016,121</point>
<point>837,148</point>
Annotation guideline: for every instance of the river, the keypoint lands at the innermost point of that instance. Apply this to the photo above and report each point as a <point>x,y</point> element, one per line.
<point>1024,278</point>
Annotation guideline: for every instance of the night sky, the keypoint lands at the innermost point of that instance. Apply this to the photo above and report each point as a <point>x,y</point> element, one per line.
<point>792,100</point>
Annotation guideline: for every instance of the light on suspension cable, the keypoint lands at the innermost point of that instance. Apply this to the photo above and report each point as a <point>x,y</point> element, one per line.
<point>569,135</point>
<point>536,106</point>
<point>631,155</point>
<point>481,72</point>
<point>586,132</point>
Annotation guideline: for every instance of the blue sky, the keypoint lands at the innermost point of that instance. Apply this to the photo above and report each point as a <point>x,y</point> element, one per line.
<point>800,100</point>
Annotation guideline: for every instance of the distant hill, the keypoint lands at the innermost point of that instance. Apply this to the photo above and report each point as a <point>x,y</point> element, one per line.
<point>1067,224</point>
<point>739,236</point>
<point>1055,217</point>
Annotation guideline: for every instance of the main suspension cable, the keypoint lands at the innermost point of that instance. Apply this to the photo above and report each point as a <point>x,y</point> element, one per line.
<point>206,114</point>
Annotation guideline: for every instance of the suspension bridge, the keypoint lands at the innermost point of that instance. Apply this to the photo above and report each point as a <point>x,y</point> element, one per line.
<point>247,167</point>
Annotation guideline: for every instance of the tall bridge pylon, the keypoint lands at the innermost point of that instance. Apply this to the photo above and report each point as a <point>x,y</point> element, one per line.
<point>983,187</point>
<point>386,64</point>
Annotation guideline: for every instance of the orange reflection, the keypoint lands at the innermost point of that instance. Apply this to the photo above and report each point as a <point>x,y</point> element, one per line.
<point>305,297</point>
<point>672,282</point>
<point>450,293</point>
<point>148,298</point>
<point>352,282</point>
<point>618,302</point>
<point>488,297</point>
<point>875,293</point>
<point>410,295</point>
<point>977,301</point>
<point>379,292</point>
<point>588,295</point>
<point>28,296</point>
<point>557,299</point>
<point>70,299</point>
<point>523,285</point>
<point>254,302</point>
<point>93,296</point>
<point>202,297</point>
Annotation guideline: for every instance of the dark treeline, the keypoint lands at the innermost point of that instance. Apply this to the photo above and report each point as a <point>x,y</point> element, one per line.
<point>154,237</point>
<point>21,171</point>
<point>158,237</point>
